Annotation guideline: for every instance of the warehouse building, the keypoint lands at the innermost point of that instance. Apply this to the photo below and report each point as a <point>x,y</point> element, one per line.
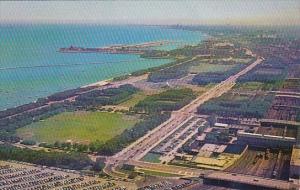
<point>295,163</point>
<point>265,141</point>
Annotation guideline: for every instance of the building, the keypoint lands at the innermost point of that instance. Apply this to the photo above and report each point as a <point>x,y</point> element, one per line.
<point>295,163</point>
<point>221,125</point>
<point>266,141</point>
<point>279,123</point>
<point>247,182</point>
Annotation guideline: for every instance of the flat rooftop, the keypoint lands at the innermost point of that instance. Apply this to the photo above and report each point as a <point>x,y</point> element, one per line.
<point>221,125</point>
<point>270,137</point>
<point>295,159</point>
<point>250,180</point>
<point>209,161</point>
<point>213,148</point>
<point>280,122</point>
<point>270,131</point>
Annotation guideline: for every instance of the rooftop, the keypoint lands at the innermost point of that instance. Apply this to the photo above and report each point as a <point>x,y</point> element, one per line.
<point>295,159</point>
<point>213,148</point>
<point>221,125</point>
<point>270,137</point>
<point>209,161</point>
<point>250,180</point>
<point>281,122</point>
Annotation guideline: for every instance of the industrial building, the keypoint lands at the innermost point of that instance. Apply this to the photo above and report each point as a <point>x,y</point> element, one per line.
<point>295,163</point>
<point>269,141</point>
<point>246,182</point>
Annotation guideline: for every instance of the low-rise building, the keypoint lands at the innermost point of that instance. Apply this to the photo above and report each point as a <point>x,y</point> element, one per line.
<point>295,163</point>
<point>270,141</point>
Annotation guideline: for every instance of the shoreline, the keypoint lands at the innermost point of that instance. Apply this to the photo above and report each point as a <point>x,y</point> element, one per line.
<point>90,86</point>
<point>102,82</point>
<point>98,84</point>
<point>19,91</point>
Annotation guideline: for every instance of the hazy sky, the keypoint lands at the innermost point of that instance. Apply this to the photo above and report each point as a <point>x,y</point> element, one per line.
<point>262,12</point>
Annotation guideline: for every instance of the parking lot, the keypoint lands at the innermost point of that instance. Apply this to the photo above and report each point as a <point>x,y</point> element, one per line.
<point>19,176</point>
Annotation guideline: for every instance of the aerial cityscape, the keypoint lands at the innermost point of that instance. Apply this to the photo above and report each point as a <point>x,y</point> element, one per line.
<point>150,95</point>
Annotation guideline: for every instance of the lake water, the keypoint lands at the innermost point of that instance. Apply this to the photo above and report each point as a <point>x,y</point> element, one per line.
<point>23,46</point>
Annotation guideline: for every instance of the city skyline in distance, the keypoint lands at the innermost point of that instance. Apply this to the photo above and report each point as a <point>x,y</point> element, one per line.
<point>235,12</point>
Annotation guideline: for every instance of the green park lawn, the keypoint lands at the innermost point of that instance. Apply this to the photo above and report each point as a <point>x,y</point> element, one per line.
<point>135,98</point>
<point>255,86</point>
<point>151,157</point>
<point>157,173</point>
<point>83,127</point>
<point>207,68</point>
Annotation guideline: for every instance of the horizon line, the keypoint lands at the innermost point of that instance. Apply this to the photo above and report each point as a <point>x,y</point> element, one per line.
<point>141,24</point>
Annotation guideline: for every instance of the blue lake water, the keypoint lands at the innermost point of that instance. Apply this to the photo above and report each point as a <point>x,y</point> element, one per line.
<point>36,45</point>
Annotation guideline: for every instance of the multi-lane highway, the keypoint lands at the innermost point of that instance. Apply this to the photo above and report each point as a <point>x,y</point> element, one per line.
<point>143,145</point>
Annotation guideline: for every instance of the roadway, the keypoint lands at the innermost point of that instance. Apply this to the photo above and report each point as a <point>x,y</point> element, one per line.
<point>143,145</point>
<point>98,86</point>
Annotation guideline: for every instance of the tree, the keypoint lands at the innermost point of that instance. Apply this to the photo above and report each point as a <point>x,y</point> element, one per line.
<point>99,164</point>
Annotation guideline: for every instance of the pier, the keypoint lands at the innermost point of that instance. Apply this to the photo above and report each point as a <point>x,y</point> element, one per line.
<point>117,49</point>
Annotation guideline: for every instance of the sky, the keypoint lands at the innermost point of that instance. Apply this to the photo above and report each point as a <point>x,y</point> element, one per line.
<point>234,12</point>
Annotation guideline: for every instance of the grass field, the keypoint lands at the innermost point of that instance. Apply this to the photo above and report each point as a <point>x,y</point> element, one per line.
<point>238,60</point>
<point>135,98</point>
<point>255,86</point>
<point>157,173</point>
<point>206,68</point>
<point>238,105</point>
<point>151,157</point>
<point>249,86</point>
<point>81,127</point>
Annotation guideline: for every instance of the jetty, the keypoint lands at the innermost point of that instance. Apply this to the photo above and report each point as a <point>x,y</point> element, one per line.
<point>117,49</point>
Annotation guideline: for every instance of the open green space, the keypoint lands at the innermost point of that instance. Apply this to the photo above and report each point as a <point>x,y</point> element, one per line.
<point>109,96</point>
<point>272,71</point>
<point>254,86</point>
<point>154,109</point>
<point>230,105</point>
<point>73,160</point>
<point>135,98</point>
<point>207,67</point>
<point>169,100</point>
<point>79,126</point>
<point>241,60</point>
<point>157,173</point>
<point>151,157</point>
<point>292,83</point>
<point>248,86</point>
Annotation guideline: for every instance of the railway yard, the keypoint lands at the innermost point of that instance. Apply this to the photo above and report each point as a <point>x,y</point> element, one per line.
<point>263,163</point>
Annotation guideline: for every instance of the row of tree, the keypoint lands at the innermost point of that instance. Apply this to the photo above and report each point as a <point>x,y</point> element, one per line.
<point>8,125</point>
<point>174,72</point>
<point>169,100</point>
<point>110,96</point>
<point>246,107</point>
<point>156,109</point>
<point>76,161</point>
<point>271,71</point>
<point>215,77</point>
